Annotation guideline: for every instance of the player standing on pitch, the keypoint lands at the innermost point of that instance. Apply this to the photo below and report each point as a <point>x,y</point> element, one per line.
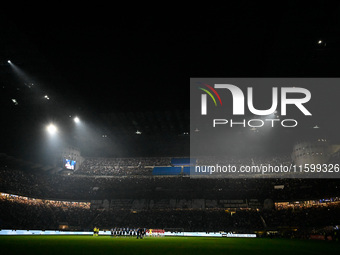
<point>95,231</point>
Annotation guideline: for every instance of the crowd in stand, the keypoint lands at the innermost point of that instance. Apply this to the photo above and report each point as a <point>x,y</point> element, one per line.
<point>15,214</point>
<point>121,166</point>
<point>74,187</point>
<point>312,218</point>
<point>143,166</point>
<point>52,203</point>
<point>125,179</point>
<point>18,213</point>
<point>186,220</point>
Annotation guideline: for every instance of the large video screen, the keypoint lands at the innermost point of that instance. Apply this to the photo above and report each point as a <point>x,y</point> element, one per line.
<point>69,164</point>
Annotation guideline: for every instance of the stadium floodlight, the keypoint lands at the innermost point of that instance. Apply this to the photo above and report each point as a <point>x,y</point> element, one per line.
<point>15,101</point>
<point>9,62</point>
<point>76,120</point>
<point>51,129</point>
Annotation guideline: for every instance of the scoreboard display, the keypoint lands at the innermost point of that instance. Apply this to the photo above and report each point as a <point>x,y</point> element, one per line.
<point>69,164</point>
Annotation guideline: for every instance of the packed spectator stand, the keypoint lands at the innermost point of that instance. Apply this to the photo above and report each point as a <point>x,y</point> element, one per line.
<point>132,178</point>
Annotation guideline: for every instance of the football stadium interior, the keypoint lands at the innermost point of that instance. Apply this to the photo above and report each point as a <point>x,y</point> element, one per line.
<point>157,193</point>
<point>97,134</point>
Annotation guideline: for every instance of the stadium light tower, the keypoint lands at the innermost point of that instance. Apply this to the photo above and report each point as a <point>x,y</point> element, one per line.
<point>76,120</point>
<point>21,74</point>
<point>51,129</point>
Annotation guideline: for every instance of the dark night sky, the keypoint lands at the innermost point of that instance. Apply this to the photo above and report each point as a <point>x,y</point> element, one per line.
<point>102,61</point>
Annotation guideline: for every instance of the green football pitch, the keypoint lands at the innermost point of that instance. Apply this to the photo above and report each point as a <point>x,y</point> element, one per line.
<point>63,245</point>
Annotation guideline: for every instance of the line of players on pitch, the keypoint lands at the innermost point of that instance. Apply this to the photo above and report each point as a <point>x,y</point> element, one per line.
<point>131,232</point>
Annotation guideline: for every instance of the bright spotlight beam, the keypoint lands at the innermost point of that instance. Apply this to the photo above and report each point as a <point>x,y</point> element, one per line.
<point>76,120</point>
<point>51,129</point>
<point>21,74</point>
